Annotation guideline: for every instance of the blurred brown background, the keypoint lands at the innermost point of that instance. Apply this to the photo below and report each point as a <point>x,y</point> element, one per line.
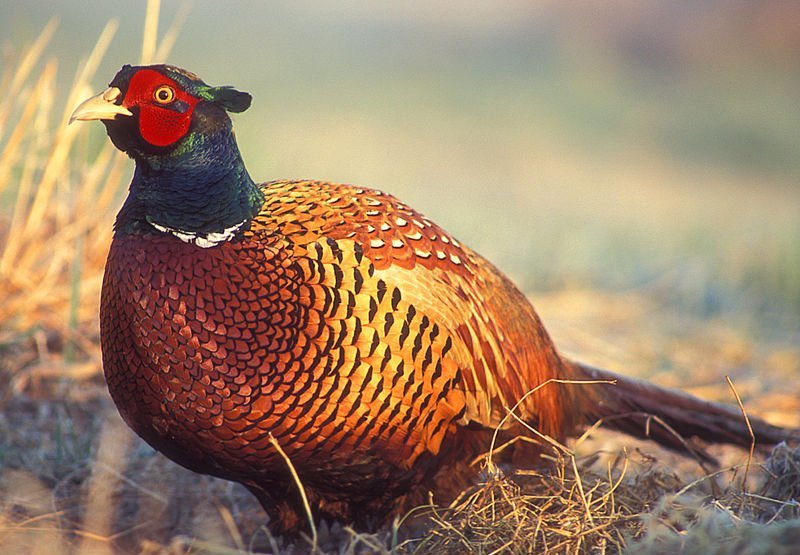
<point>617,145</point>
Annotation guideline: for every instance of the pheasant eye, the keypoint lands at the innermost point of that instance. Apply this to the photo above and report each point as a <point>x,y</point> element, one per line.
<point>164,94</point>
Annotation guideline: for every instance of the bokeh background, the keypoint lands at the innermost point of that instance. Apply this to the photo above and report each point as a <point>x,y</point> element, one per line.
<point>617,145</point>
<point>633,165</point>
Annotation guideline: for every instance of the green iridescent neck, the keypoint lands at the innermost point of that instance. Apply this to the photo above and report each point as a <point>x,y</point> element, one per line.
<point>199,188</point>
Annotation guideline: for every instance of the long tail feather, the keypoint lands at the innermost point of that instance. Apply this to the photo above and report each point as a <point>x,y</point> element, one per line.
<point>668,416</point>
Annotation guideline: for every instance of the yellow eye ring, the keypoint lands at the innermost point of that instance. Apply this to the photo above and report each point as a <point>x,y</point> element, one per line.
<point>164,94</point>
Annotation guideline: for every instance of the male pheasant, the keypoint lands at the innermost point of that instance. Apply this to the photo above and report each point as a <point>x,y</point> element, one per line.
<point>372,346</point>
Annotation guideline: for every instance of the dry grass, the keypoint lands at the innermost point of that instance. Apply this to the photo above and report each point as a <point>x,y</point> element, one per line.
<point>91,486</point>
<point>65,195</point>
<point>56,237</point>
<point>638,506</point>
<point>73,479</point>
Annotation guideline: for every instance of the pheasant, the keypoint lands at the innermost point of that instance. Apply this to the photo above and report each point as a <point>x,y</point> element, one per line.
<point>245,324</point>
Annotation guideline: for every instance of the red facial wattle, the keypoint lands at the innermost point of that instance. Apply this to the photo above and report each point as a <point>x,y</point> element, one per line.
<point>159,124</point>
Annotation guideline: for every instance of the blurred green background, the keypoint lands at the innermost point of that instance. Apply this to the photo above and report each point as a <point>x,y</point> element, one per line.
<point>634,144</point>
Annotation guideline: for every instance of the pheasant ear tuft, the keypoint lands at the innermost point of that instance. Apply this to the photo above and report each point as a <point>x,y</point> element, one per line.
<point>231,99</point>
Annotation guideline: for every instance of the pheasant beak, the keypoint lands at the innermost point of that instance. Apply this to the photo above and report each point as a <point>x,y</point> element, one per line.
<point>101,106</point>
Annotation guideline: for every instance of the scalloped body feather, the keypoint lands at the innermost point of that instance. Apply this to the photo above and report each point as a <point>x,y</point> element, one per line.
<point>303,329</point>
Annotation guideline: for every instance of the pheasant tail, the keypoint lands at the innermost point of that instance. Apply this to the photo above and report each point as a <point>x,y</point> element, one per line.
<point>668,416</point>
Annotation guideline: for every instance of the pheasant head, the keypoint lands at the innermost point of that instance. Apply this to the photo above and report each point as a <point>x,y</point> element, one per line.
<point>190,179</point>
